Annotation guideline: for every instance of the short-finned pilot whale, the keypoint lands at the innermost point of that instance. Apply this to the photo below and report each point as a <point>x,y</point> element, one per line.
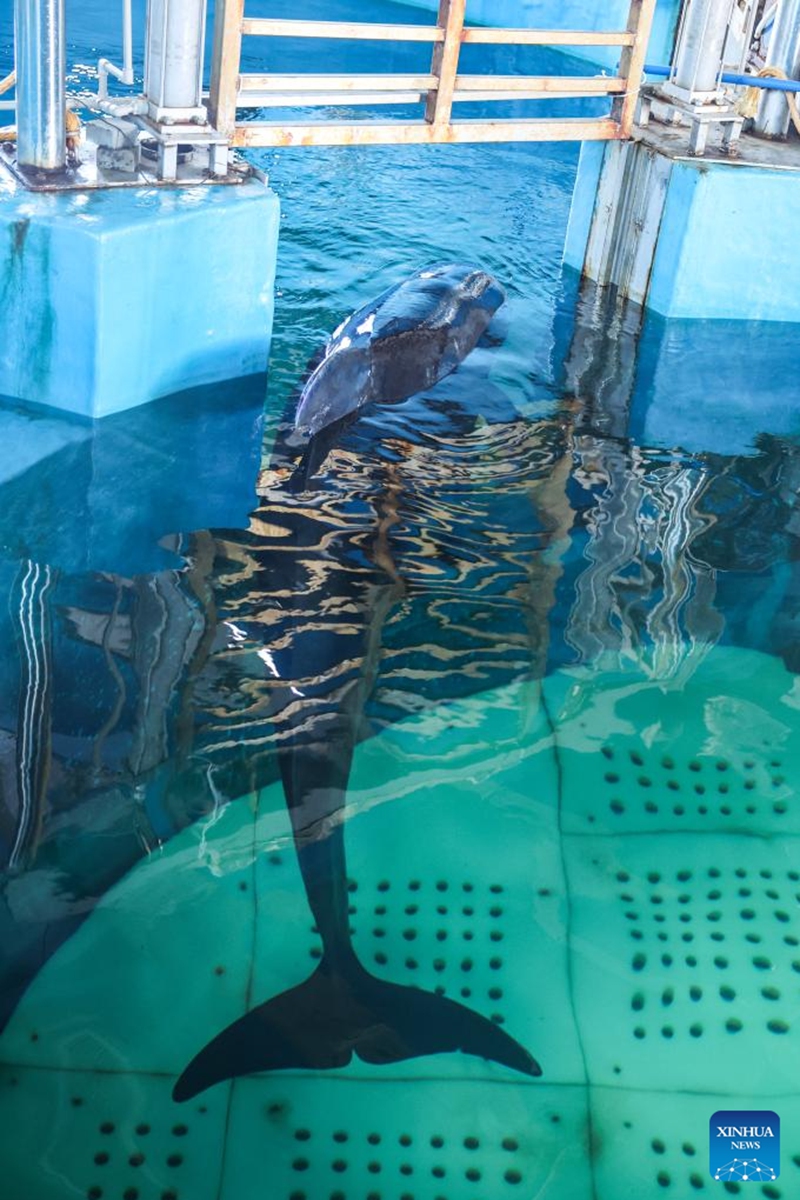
<point>412,336</point>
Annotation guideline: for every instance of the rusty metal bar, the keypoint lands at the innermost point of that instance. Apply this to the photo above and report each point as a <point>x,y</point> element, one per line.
<point>226,56</point>
<point>374,133</point>
<point>383,99</point>
<point>360,30</point>
<point>441,88</point>
<point>282,91</point>
<point>445,61</point>
<point>475,35</point>
<point>303,84</point>
<point>578,85</point>
<point>640,23</point>
<point>327,99</point>
<point>355,30</point>
<point>575,85</point>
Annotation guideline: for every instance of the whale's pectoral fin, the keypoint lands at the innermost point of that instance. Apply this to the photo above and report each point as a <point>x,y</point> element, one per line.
<point>320,1024</point>
<point>316,452</point>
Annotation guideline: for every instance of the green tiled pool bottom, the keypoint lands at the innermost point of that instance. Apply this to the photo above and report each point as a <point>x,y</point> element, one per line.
<point>605,863</point>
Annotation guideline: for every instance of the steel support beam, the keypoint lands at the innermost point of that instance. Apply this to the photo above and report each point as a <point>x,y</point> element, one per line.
<point>174,58</point>
<point>41,84</point>
<point>784,52</point>
<point>700,47</point>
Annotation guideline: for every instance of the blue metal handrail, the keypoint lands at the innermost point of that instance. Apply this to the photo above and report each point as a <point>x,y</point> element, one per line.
<point>757,81</point>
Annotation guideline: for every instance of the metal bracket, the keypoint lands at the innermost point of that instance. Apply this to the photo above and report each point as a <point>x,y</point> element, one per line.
<point>700,118</point>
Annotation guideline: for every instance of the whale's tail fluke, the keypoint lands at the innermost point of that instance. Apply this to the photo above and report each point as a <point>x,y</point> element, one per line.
<point>323,1022</point>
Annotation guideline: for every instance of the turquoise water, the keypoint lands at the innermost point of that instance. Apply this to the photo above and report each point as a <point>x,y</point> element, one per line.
<point>557,600</point>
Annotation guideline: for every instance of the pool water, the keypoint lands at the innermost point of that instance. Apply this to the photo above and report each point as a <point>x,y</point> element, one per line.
<point>554,603</point>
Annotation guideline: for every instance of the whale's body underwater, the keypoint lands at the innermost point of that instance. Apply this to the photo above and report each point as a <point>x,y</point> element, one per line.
<point>276,668</point>
<point>412,336</point>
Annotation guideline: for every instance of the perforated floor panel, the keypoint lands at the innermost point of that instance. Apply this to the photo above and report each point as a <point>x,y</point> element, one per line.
<point>505,852</point>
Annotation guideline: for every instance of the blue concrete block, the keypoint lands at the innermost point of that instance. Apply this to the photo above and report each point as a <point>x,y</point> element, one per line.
<point>573,14</point>
<point>694,239</point>
<point>109,299</point>
<point>724,249</point>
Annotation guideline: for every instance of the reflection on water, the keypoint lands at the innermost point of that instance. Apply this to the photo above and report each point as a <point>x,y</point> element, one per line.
<point>451,547</point>
<point>532,599</point>
<point>455,545</point>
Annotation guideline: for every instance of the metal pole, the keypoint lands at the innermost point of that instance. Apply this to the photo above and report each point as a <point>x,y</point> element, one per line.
<point>784,52</point>
<point>41,84</point>
<point>174,54</point>
<point>701,44</point>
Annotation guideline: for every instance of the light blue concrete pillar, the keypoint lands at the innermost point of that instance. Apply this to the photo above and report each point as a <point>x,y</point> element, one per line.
<point>112,298</point>
<point>688,238</point>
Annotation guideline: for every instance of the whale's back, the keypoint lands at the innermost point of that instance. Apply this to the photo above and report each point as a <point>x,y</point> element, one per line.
<point>410,337</point>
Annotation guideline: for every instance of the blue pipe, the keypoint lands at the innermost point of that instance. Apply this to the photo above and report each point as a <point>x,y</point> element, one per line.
<point>769,85</point>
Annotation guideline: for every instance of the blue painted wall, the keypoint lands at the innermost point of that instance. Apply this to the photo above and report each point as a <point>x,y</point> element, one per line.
<point>572,14</point>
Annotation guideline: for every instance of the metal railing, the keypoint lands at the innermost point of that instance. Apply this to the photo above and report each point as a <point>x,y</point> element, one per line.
<point>439,89</point>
